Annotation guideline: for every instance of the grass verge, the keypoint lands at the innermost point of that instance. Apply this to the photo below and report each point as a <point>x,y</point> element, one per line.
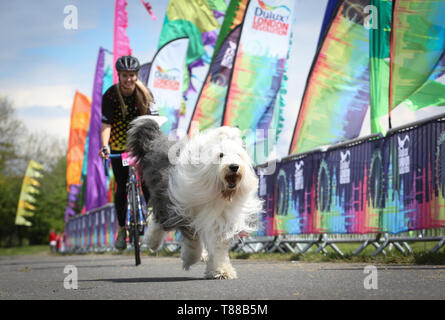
<point>25,250</point>
<point>420,256</point>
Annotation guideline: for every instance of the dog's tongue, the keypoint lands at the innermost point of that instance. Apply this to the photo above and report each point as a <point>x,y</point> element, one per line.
<point>231,181</point>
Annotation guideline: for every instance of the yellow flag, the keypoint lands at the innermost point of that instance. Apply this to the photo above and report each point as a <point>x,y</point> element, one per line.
<point>29,189</point>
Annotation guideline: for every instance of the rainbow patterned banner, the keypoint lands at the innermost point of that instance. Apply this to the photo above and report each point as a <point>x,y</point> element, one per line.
<point>199,21</point>
<point>379,51</point>
<point>392,184</point>
<point>209,107</point>
<point>253,100</point>
<point>336,96</point>
<point>418,54</point>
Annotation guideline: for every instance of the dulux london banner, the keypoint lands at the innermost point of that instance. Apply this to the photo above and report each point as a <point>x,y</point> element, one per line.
<point>166,79</point>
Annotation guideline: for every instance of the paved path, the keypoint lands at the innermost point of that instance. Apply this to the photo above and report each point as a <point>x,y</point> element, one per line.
<point>115,277</point>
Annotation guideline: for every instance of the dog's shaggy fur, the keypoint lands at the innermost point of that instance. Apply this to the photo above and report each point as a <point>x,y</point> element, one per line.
<point>207,190</point>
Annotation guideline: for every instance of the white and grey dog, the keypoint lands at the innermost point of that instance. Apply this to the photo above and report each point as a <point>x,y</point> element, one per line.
<point>206,188</point>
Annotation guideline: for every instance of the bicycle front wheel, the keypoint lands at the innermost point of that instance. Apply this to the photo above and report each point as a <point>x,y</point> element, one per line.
<point>134,225</point>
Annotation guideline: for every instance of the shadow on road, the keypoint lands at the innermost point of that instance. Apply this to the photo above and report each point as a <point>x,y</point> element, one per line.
<point>137,280</point>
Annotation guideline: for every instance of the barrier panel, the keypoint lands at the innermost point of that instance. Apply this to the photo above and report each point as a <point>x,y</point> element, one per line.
<point>95,230</point>
<point>375,184</point>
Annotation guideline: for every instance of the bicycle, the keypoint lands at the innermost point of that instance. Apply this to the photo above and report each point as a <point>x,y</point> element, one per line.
<point>136,218</point>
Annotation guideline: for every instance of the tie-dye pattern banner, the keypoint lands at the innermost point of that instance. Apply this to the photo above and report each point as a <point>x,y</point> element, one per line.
<point>379,50</point>
<point>165,80</point>
<point>254,90</point>
<point>392,184</point>
<point>199,21</point>
<point>209,108</point>
<point>418,54</point>
<point>336,96</point>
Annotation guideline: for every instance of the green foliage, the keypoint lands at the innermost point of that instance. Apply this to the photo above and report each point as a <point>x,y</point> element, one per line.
<point>50,204</point>
<point>9,197</point>
<point>17,148</point>
<point>14,251</point>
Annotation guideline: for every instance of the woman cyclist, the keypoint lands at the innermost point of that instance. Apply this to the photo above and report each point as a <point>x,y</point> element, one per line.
<point>122,103</point>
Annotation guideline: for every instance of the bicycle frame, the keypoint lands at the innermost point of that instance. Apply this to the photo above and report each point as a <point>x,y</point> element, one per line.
<point>134,190</point>
<point>136,218</point>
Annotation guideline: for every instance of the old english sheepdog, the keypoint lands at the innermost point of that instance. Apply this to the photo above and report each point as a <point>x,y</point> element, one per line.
<point>204,187</point>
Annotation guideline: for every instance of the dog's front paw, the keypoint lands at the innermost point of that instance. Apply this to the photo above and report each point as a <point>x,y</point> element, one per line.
<point>224,272</point>
<point>204,255</point>
<point>186,266</point>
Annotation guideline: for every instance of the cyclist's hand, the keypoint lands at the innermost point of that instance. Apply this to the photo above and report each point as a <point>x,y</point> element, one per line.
<point>104,153</point>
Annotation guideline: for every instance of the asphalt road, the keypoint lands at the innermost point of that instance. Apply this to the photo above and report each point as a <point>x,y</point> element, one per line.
<point>159,278</point>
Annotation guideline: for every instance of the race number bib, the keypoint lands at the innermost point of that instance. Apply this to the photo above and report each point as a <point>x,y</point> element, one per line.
<point>125,159</point>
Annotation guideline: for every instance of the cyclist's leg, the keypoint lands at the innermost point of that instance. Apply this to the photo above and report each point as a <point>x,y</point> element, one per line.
<point>120,200</point>
<point>120,194</point>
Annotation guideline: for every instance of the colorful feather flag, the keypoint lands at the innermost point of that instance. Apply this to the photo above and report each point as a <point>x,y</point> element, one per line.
<point>96,184</point>
<point>149,9</point>
<point>418,54</point>
<point>199,22</point>
<point>80,120</point>
<point>336,96</point>
<point>379,51</point>
<point>253,100</point>
<point>121,42</point>
<point>209,108</point>
<point>30,186</point>
<point>246,78</point>
<point>166,79</point>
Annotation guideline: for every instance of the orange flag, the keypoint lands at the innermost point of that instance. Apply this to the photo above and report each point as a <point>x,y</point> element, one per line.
<point>80,121</point>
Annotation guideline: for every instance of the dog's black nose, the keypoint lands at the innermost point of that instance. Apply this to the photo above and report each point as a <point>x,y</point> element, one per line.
<point>234,167</point>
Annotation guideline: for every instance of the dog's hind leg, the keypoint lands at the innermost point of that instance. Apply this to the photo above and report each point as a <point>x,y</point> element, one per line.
<point>191,250</point>
<point>155,235</point>
<point>218,263</point>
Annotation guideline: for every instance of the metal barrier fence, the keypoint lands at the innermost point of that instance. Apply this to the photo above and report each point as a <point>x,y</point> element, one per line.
<point>96,231</point>
<point>318,243</point>
<point>384,192</point>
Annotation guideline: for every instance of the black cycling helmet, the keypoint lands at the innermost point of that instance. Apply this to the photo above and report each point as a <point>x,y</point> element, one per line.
<point>127,63</point>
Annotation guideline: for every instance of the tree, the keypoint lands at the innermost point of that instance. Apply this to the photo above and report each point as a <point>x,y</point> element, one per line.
<point>17,147</point>
<point>50,203</point>
<point>12,131</point>
<point>9,196</point>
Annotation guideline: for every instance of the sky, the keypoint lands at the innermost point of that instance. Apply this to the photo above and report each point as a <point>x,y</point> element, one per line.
<point>42,64</point>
